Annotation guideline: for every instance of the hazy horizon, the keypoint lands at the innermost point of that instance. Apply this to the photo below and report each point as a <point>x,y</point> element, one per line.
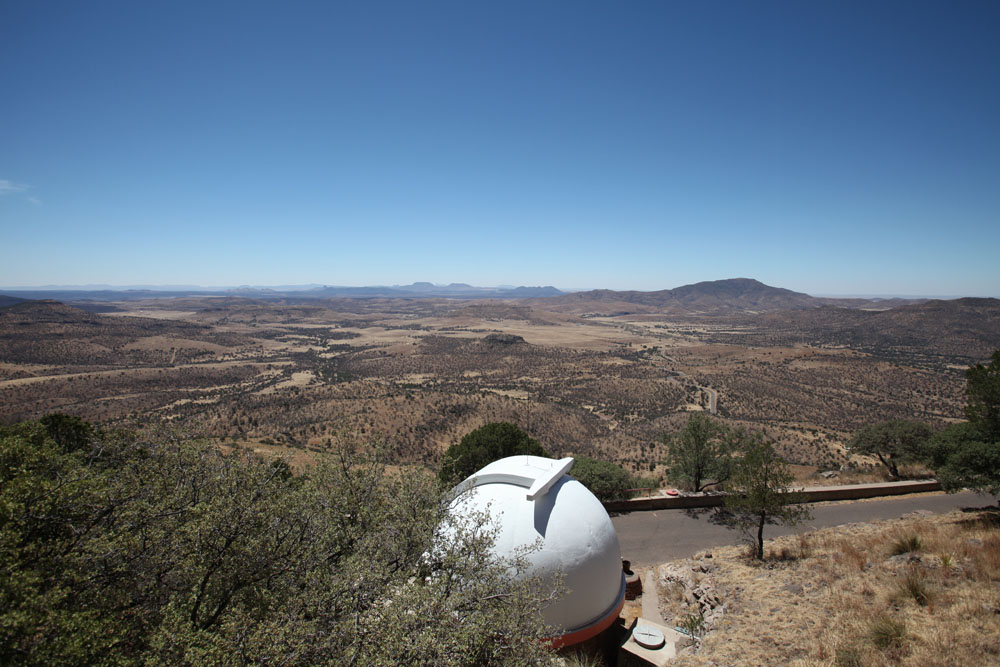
<point>309,286</point>
<point>828,149</point>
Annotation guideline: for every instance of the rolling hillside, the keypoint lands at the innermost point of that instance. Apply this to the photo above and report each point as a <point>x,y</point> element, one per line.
<point>715,297</point>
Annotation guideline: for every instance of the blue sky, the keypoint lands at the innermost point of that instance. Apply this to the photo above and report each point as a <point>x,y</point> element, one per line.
<point>826,147</point>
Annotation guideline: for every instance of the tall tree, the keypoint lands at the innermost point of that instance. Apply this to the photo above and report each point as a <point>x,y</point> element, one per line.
<point>484,445</point>
<point>761,490</point>
<point>982,407</point>
<point>967,454</point>
<point>701,452</point>
<point>892,442</point>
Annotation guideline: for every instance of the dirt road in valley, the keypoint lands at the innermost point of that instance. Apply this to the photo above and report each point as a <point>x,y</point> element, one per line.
<point>650,538</point>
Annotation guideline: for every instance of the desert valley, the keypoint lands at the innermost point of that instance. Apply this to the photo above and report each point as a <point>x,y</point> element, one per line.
<point>599,373</point>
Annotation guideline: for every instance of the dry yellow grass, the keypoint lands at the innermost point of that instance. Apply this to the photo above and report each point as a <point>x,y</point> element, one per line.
<point>840,597</point>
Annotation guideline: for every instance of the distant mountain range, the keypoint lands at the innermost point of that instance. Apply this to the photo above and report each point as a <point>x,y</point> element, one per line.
<point>452,291</point>
<point>416,290</point>
<point>715,297</point>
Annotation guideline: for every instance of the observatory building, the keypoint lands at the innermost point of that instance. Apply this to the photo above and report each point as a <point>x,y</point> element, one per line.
<point>533,499</point>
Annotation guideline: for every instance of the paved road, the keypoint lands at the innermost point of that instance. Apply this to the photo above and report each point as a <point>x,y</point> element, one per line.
<point>650,538</point>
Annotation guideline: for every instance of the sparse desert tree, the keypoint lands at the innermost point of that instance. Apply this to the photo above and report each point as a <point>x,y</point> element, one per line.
<point>893,442</point>
<point>484,445</point>
<point>761,490</point>
<point>701,453</point>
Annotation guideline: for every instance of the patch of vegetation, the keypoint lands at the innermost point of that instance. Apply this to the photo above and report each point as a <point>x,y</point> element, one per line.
<point>604,479</point>
<point>906,544</point>
<point>893,442</point>
<point>693,624</point>
<point>760,491</point>
<point>484,445</point>
<point>967,455</point>
<point>848,656</point>
<point>123,549</point>
<point>913,585</point>
<point>887,633</point>
<point>701,453</point>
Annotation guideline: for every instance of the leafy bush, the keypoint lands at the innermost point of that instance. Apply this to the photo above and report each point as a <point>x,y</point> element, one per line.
<point>693,624</point>
<point>605,480</point>
<point>967,454</point>
<point>127,549</point>
<point>484,445</point>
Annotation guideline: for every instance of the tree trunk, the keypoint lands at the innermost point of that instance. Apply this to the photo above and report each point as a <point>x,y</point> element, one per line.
<point>760,537</point>
<point>890,464</point>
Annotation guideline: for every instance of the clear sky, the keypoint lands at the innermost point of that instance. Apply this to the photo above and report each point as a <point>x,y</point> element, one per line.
<point>826,147</point>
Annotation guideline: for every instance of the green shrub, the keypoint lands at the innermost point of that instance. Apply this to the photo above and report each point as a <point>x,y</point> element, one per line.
<point>605,480</point>
<point>693,624</point>
<point>159,549</point>
<point>484,445</point>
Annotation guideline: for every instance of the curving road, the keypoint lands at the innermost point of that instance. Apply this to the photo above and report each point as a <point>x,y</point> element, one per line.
<point>651,538</point>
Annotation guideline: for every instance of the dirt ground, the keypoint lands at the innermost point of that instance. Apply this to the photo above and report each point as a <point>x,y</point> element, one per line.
<point>921,590</point>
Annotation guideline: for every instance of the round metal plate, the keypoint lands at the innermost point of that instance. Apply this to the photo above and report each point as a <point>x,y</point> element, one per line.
<point>648,637</point>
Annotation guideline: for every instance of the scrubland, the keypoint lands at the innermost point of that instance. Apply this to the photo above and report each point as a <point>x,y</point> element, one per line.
<point>921,590</point>
<point>418,374</point>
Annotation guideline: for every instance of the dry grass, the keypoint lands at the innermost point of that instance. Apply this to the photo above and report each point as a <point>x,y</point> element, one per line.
<point>840,597</point>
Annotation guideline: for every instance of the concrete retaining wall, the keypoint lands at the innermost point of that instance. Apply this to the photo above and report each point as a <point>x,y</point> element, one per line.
<point>811,495</point>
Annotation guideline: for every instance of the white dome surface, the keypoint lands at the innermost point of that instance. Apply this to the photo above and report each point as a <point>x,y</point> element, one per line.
<point>531,498</point>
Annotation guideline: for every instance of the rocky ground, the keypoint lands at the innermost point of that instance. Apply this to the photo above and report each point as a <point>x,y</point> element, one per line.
<point>921,590</point>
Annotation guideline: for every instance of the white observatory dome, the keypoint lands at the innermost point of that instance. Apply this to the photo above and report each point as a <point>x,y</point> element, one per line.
<point>531,498</point>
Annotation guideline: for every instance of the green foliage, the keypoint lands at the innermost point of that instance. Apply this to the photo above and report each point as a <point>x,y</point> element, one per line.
<point>486,444</point>
<point>70,433</point>
<point>967,455</point>
<point>972,464</point>
<point>160,549</point>
<point>893,442</point>
<point>983,398</point>
<point>693,624</point>
<point>760,490</point>
<point>701,453</point>
<point>605,480</point>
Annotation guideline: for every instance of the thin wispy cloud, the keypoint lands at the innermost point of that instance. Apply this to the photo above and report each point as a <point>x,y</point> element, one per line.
<point>11,188</point>
<point>34,200</point>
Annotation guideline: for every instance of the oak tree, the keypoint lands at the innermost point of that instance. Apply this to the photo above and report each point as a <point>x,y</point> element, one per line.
<point>892,442</point>
<point>760,490</point>
<point>701,452</point>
